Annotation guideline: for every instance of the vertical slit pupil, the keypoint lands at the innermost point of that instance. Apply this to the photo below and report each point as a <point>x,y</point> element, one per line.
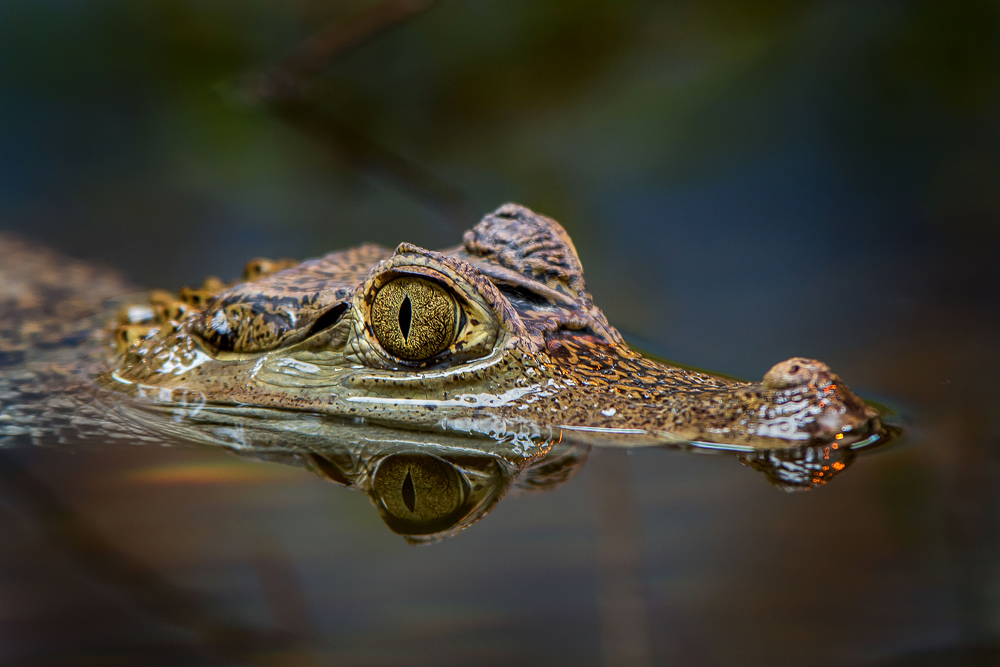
<point>405,317</point>
<point>409,493</point>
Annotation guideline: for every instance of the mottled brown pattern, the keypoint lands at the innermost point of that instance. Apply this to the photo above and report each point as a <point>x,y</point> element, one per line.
<point>534,360</point>
<point>278,309</point>
<point>272,366</point>
<point>537,247</point>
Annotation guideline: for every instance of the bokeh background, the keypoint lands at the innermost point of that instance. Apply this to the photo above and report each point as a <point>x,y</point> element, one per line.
<point>745,181</point>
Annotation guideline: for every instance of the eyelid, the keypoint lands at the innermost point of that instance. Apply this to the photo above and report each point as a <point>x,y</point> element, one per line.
<point>464,302</point>
<point>416,271</point>
<point>485,317</point>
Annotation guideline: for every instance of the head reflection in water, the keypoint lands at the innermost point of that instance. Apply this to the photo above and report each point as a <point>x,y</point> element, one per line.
<point>428,497</point>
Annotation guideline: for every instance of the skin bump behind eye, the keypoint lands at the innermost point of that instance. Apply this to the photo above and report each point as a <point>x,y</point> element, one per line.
<point>414,318</point>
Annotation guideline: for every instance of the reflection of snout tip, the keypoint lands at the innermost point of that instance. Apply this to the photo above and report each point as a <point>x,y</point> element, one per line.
<point>838,422</point>
<point>847,418</point>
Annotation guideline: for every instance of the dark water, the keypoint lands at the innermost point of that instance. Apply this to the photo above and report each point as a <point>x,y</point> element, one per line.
<point>744,181</point>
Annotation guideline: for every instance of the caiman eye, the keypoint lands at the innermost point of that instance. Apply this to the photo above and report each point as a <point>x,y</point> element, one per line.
<point>420,492</point>
<point>414,318</point>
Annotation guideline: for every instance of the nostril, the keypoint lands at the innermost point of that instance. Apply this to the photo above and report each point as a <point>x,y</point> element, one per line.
<point>794,372</point>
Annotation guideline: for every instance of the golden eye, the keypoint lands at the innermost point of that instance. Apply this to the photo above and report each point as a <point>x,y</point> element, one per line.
<point>420,493</point>
<point>413,318</point>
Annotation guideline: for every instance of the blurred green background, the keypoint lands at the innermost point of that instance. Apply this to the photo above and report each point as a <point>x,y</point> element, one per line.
<point>745,181</point>
<point>720,165</point>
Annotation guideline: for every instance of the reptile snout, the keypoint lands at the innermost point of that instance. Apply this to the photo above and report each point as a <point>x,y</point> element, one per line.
<point>795,372</point>
<point>833,410</point>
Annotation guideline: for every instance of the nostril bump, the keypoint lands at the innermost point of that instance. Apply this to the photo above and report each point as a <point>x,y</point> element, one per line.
<point>794,372</point>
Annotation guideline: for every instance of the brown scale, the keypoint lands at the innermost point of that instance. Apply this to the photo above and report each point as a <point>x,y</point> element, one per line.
<point>521,272</point>
<point>283,300</point>
<point>261,267</point>
<point>166,312</point>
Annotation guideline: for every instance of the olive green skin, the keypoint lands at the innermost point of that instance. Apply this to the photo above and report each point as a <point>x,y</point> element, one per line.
<point>539,365</point>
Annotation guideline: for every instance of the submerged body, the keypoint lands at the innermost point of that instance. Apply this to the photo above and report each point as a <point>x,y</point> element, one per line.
<point>496,338</point>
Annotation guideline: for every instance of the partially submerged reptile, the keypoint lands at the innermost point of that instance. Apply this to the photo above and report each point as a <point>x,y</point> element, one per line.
<point>494,347</point>
<point>497,337</point>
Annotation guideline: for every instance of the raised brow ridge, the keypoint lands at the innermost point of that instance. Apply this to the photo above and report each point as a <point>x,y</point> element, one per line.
<point>533,245</point>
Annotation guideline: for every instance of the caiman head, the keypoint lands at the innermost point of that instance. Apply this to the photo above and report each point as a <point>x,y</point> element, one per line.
<point>496,338</point>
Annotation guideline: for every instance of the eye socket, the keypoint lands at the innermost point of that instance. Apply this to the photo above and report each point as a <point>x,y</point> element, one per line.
<point>414,318</point>
<point>419,493</point>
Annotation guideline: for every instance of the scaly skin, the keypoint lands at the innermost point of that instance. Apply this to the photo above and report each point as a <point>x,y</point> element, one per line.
<point>285,367</point>
<point>540,363</point>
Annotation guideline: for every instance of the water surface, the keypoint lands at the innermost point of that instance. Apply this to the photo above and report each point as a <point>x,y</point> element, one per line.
<point>744,182</point>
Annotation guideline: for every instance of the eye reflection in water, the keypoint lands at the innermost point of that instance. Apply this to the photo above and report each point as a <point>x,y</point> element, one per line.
<point>428,497</point>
